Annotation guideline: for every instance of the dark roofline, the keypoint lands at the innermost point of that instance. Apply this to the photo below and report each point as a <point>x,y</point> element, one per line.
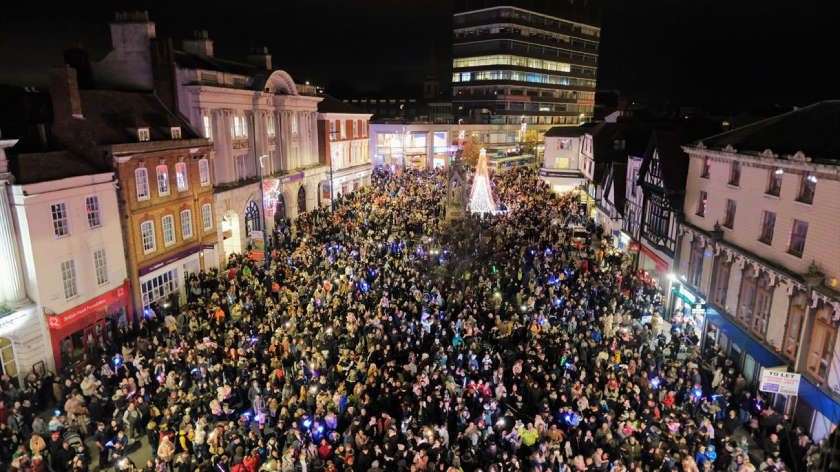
<point>565,132</point>
<point>331,104</point>
<point>763,122</point>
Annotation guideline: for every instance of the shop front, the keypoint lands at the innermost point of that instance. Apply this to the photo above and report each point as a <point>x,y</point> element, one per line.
<point>166,278</point>
<point>88,327</point>
<point>747,353</point>
<point>689,311</point>
<point>655,266</point>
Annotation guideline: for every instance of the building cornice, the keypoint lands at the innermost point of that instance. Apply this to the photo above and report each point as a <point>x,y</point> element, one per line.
<point>527,11</point>
<point>325,116</point>
<point>69,183</point>
<point>766,158</point>
<point>126,150</point>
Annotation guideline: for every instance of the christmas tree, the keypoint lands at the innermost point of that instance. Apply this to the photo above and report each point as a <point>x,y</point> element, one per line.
<point>481,195</point>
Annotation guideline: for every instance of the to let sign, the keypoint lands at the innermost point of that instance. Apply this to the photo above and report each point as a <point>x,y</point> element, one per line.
<point>779,381</point>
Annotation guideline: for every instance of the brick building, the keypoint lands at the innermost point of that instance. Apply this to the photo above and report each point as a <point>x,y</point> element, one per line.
<point>343,146</point>
<point>165,181</point>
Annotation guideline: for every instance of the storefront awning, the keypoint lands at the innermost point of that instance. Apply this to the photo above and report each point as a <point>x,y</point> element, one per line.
<point>819,400</point>
<point>761,354</point>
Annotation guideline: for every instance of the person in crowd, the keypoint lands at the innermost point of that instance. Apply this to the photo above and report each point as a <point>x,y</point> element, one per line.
<point>381,336</point>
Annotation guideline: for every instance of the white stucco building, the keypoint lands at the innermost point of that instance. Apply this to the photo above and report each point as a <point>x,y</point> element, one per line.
<point>759,248</point>
<point>263,130</point>
<point>66,273</point>
<point>561,159</point>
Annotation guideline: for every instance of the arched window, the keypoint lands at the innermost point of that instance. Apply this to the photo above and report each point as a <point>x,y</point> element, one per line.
<point>280,209</point>
<point>695,263</point>
<point>301,200</point>
<point>252,218</point>
<point>763,301</point>
<point>722,270</point>
<point>746,298</point>
<point>795,321</point>
<point>820,353</point>
<point>141,183</point>
<point>7,359</point>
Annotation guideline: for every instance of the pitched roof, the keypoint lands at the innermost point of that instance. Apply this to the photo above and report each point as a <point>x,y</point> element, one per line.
<point>35,167</point>
<point>673,161</point>
<point>813,130</point>
<point>188,60</point>
<point>565,132</point>
<point>333,105</point>
<point>616,181</point>
<point>114,116</point>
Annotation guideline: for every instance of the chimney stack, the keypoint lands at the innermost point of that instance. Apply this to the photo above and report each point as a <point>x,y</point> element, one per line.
<point>200,44</point>
<point>64,93</point>
<point>78,59</point>
<point>260,57</point>
<point>131,32</point>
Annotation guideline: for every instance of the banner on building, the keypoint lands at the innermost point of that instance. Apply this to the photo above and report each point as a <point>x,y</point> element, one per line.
<point>779,381</point>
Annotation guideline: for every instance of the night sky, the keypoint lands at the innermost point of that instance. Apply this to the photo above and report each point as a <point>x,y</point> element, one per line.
<point>725,55</point>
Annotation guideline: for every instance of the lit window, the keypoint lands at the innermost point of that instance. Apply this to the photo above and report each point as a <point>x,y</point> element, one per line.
<point>333,129</point>
<point>774,186</point>
<point>240,128</point>
<point>162,180</point>
<point>147,235</point>
<point>68,279</point>
<point>61,225</point>
<point>208,130</point>
<point>269,125</point>
<point>342,129</point>
<point>204,172</point>
<point>143,134</point>
<point>807,188</point>
<point>141,183</point>
<point>293,123</point>
<point>181,176</point>
<point>355,129</point>
<point>704,173</point>
<point>167,224</point>
<point>186,224</point>
<point>798,234</point>
<point>92,208</point>
<point>207,216</point>
<point>101,266</point>
<point>175,132</point>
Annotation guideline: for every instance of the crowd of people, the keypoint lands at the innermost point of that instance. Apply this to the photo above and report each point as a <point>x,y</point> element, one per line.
<point>379,336</point>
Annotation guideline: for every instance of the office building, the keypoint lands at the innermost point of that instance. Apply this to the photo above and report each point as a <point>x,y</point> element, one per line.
<point>513,66</point>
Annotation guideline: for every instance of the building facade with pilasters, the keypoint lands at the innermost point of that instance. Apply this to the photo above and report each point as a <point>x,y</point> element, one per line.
<point>759,249</point>
<point>262,125</point>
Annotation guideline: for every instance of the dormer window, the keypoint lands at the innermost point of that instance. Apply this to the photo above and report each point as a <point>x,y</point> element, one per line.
<point>175,132</point>
<point>143,134</point>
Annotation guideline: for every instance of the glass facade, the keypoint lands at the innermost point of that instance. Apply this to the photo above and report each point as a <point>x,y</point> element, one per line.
<point>511,60</point>
<point>494,44</point>
<point>520,76</point>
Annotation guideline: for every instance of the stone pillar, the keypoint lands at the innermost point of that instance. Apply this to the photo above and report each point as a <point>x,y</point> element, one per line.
<point>12,289</point>
<point>430,154</point>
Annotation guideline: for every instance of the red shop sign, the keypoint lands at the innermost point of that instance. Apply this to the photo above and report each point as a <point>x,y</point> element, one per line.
<point>116,296</point>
